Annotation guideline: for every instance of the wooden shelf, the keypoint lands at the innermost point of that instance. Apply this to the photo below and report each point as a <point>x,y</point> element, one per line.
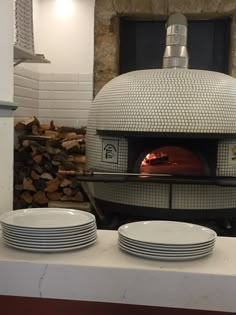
<point>24,55</point>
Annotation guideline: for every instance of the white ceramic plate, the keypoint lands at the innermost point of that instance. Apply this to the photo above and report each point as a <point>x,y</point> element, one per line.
<point>166,247</point>
<point>49,230</point>
<point>166,250</point>
<point>48,236</point>
<point>39,233</point>
<point>161,254</point>
<point>47,218</point>
<point>48,244</point>
<point>49,250</point>
<point>171,258</point>
<point>167,232</point>
<point>46,241</point>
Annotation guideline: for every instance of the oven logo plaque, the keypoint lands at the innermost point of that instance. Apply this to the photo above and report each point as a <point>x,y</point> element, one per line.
<point>232,154</point>
<point>110,149</point>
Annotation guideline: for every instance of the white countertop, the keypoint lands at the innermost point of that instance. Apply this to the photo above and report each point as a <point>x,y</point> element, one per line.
<point>104,273</point>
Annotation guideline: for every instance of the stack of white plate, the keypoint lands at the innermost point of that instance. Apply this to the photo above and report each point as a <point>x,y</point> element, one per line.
<point>166,240</point>
<point>48,229</point>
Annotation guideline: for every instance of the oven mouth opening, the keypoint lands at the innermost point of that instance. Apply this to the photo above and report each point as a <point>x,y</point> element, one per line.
<point>173,160</point>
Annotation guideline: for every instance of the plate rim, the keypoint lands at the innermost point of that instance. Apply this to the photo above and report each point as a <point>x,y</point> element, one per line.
<point>53,250</point>
<point>170,257</point>
<point>48,245</point>
<point>13,213</point>
<point>167,249</point>
<point>142,223</point>
<point>168,253</point>
<point>166,258</point>
<point>196,245</point>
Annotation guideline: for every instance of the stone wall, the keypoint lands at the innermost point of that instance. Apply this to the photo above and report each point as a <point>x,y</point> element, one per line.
<point>108,13</point>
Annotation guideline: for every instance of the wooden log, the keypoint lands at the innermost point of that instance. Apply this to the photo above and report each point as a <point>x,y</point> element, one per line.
<point>44,127</point>
<point>35,130</point>
<point>28,184</point>
<point>65,182</point>
<point>47,165</point>
<point>34,145</point>
<point>40,138</point>
<point>52,126</point>
<point>52,150</point>
<point>40,198</point>
<point>37,168</point>
<point>56,195</point>
<point>47,156</point>
<point>71,145</point>
<point>68,191</point>
<point>71,136</point>
<point>55,143</point>
<point>34,175</point>
<point>27,197</point>
<point>52,185</point>
<point>78,196</point>
<point>27,123</point>
<point>56,163</point>
<point>67,165</point>
<point>81,130</point>
<point>77,158</point>
<point>38,158</point>
<point>46,176</point>
<point>52,134</point>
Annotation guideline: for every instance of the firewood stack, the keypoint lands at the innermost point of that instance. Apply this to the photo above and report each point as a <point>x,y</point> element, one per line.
<point>41,151</point>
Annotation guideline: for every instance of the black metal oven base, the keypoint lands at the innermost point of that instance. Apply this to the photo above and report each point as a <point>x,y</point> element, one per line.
<point>223,221</point>
<point>165,214</point>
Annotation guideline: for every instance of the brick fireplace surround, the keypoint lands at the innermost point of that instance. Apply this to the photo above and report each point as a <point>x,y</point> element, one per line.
<point>107,17</point>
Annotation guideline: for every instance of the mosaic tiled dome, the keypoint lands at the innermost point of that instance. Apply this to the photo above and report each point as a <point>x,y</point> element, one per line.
<point>168,100</point>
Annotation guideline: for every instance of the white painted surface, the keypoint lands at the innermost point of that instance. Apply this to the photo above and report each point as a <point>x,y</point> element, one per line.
<point>104,273</point>
<point>26,93</point>
<point>6,161</point>
<point>6,49</point>
<point>67,39</point>
<point>6,116</point>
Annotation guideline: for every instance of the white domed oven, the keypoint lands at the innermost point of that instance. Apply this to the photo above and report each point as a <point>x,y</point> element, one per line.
<point>175,124</point>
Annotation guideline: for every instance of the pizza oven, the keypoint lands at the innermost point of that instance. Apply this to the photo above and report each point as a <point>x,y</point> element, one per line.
<point>177,125</point>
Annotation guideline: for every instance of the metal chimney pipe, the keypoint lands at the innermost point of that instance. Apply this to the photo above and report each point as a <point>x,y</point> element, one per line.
<point>176,54</point>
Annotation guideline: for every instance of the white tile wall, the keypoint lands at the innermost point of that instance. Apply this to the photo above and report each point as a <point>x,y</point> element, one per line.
<point>63,97</point>
<point>25,93</point>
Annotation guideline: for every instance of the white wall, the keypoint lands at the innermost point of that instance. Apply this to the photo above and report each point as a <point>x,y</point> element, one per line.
<point>63,90</point>
<point>67,41</point>
<point>26,93</point>
<point>6,94</point>
<point>6,50</point>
